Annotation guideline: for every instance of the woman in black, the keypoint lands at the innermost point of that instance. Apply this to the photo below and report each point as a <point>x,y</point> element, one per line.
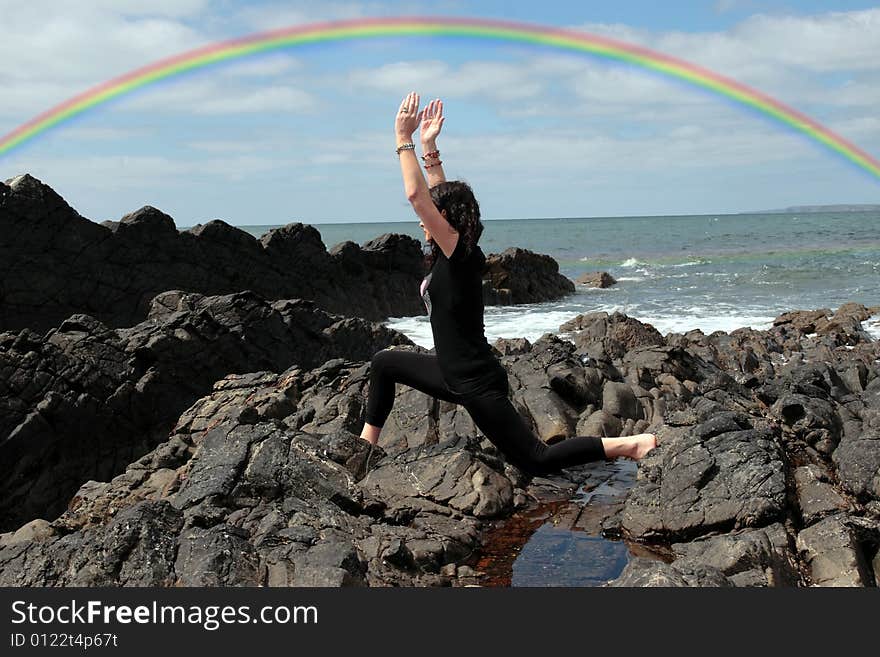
<point>464,370</point>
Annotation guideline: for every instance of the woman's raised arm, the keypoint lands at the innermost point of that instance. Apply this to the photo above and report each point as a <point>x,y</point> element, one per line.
<point>417,193</point>
<point>432,122</point>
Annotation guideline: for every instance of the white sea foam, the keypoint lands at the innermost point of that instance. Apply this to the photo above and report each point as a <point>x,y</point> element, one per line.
<point>531,321</point>
<point>872,326</point>
<point>417,329</point>
<point>708,322</point>
<point>629,278</point>
<point>632,262</point>
<point>692,263</point>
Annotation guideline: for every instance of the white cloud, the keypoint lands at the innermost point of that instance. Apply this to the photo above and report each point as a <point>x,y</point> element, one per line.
<point>836,41</point>
<point>271,99</point>
<point>852,93</point>
<point>280,15</point>
<point>225,146</point>
<point>208,95</point>
<point>11,9</point>
<point>266,65</point>
<point>103,133</point>
<point>496,81</point>
<point>562,154</point>
<point>863,128</point>
<point>829,42</point>
<point>549,86</point>
<point>127,172</point>
<point>87,46</point>
<point>683,147</point>
<point>53,51</point>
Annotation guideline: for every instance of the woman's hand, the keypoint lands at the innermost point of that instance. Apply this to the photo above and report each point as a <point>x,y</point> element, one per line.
<point>408,117</point>
<point>432,121</point>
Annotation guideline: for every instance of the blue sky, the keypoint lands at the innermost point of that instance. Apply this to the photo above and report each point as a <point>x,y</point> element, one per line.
<point>305,134</point>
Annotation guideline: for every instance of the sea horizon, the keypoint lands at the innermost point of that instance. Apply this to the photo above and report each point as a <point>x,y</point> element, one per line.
<point>675,272</point>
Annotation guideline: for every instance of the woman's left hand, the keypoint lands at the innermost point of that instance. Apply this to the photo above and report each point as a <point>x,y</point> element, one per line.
<point>408,117</point>
<point>432,121</point>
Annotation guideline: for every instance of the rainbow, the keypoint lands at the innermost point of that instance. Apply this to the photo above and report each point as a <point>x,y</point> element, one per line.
<point>504,31</point>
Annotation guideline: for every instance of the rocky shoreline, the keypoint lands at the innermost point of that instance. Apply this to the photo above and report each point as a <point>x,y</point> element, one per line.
<point>766,473</point>
<point>214,442</point>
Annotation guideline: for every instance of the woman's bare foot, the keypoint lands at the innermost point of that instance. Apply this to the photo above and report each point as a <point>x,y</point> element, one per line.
<point>629,447</point>
<point>643,443</point>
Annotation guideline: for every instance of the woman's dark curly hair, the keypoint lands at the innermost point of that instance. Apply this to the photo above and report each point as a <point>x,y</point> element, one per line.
<point>462,213</point>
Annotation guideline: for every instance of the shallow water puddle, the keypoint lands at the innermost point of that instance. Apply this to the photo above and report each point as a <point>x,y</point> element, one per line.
<point>559,541</point>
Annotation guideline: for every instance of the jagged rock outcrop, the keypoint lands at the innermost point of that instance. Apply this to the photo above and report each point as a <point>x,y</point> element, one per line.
<point>55,263</point>
<point>521,276</point>
<point>601,335</point>
<point>787,442</point>
<point>85,400</point>
<point>248,490</point>
<point>596,279</point>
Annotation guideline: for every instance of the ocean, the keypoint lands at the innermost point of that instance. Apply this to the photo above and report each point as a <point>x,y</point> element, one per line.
<point>708,272</point>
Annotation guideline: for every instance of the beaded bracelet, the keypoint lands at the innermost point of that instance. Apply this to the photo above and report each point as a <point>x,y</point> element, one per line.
<point>406,147</point>
<point>436,164</point>
<point>431,154</point>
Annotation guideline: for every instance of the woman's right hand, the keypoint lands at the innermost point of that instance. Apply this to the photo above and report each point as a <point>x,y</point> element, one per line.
<point>432,121</point>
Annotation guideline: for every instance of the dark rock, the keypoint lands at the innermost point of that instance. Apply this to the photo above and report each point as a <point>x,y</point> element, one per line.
<point>596,279</point>
<point>552,419</point>
<point>599,423</point>
<point>227,502</point>
<point>858,460</point>
<point>55,263</point>
<point>455,479</point>
<point>512,346</point>
<point>707,478</point>
<point>817,498</point>
<point>833,554</point>
<point>517,276</point>
<point>759,557</point>
<point>579,386</point>
<point>643,572</point>
<point>216,556</point>
<point>807,418</point>
<point>136,548</point>
<point>804,321</point>
<point>601,335</point>
<point>619,399</point>
<point>845,324</point>
<point>86,400</point>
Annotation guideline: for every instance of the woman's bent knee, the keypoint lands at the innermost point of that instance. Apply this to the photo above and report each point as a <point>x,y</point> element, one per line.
<point>380,359</point>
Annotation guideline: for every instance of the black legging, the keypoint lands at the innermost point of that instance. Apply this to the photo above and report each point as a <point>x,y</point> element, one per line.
<point>491,410</point>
